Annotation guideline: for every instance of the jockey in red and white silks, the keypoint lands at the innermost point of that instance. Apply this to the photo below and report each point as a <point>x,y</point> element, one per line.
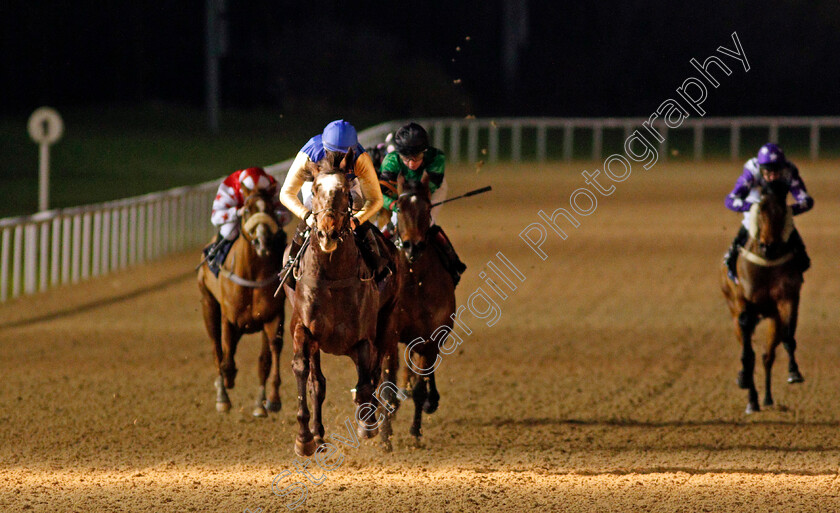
<point>231,197</point>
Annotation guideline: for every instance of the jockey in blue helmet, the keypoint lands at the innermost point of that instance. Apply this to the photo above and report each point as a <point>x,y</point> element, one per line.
<point>333,144</point>
<point>770,164</point>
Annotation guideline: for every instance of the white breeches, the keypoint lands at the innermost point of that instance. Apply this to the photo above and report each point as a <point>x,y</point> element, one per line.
<point>230,230</point>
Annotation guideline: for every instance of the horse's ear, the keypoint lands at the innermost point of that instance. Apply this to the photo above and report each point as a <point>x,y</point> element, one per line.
<point>400,184</point>
<point>347,161</point>
<point>425,179</point>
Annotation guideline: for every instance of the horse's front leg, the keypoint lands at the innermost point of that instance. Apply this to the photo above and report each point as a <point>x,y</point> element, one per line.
<point>365,357</point>
<point>230,339</point>
<point>273,332</point>
<point>789,312</point>
<point>317,390</point>
<point>421,359</point>
<point>263,369</point>
<point>774,336</point>
<point>746,322</point>
<point>225,352</point>
<point>304,445</point>
<point>389,394</point>
<point>212,321</point>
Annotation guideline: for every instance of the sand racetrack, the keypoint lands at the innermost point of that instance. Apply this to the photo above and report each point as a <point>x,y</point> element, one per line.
<point>608,383</point>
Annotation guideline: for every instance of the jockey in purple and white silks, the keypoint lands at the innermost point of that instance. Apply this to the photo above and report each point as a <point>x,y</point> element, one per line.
<point>770,164</point>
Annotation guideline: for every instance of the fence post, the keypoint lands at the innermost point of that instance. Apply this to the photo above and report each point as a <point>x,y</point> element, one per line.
<point>17,256</point>
<point>86,222</point>
<point>96,254</point>
<point>568,140</point>
<point>5,246</point>
<point>438,137</point>
<point>516,142</point>
<point>493,143</point>
<point>698,142</point>
<point>773,133</point>
<point>472,142</point>
<point>106,240</point>
<point>30,258</point>
<point>454,143</point>
<point>66,227</point>
<point>597,141</point>
<point>663,146</point>
<point>76,256</point>
<point>815,141</point>
<point>541,142</point>
<point>734,140</point>
<point>44,247</point>
<point>55,252</point>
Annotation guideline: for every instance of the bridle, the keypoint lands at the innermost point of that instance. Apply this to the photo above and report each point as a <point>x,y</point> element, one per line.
<point>249,225</point>
<point>399,242</point>
<point>345,228</point>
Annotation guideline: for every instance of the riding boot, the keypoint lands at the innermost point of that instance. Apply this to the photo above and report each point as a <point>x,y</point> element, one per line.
<point>731,256</point>
<point>370,252</point>
<point>211,249</point>
<point>800,257</point>
<point>297,242</point>
<point>221,252</point>
<point>214,252</point>
<point>450,258</point>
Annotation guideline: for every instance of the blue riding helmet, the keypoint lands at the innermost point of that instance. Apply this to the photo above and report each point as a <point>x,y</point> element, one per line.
<point>771,156</point>
<point>339,136</point>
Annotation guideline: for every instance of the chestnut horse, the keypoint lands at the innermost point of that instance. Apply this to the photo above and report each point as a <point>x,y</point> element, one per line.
<point>337,307</point>
<point>241,300</point>
<point>768,287</point>
<point>427,301</point>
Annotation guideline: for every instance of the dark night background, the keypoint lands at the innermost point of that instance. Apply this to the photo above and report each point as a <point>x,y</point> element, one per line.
<point>394,59</point>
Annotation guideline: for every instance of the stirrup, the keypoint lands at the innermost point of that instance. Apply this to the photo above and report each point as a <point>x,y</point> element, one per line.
<point>731,276</point>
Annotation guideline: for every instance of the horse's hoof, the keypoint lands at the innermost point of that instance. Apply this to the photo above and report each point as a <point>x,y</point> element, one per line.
<point>767,402</point>
<point>273,406</point>
<point>318,441</point>
<point>222,407</point>
<point>752,408</point>
<point>415,432</point>
<point>259,412</point>
<point>367,433</point>
<point>305,449</point>
<point>430,407</point>
<point>387,446</point>
<point>742,381</point>
<point>795,377</point>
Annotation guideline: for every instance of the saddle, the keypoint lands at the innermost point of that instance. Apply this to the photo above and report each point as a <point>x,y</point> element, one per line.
<point>216,260</point>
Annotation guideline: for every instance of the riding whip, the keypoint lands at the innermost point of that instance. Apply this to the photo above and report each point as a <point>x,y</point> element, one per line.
<point>465,195</point>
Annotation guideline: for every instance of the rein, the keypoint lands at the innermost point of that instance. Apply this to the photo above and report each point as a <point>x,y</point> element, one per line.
<point>260,218</point>
<point>251,284</point>
<point>311,281</point>
<point>242,282</point>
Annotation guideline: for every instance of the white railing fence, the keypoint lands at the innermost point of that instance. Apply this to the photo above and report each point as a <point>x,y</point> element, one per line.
<point>64,246</point>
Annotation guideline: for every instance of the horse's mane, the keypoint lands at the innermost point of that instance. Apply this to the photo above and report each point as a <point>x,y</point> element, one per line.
<point>777,188</point>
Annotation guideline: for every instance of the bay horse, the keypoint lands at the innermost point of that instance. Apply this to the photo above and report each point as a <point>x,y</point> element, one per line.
<point>337,306</point>
<point>768,286</point>
<point>427,300</point>
<point>241,300</point>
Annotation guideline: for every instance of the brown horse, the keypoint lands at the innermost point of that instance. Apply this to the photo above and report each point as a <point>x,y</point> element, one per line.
<point>768,287</point>
<point>337,307</point>
<point>241,300</point>
<point>427,301</point>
